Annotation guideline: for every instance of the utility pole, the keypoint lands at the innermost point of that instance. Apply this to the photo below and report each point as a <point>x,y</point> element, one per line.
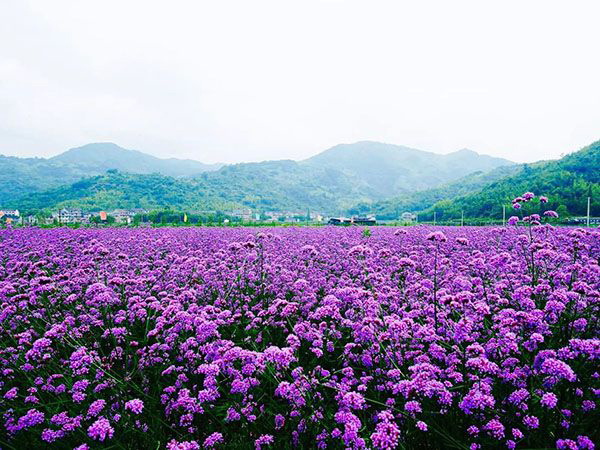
<point>588,212</point>
<point>504,215</point>
<point>462,218</point>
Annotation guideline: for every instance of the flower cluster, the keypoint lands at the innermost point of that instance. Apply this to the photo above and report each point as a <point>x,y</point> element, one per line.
<point>193,338</point>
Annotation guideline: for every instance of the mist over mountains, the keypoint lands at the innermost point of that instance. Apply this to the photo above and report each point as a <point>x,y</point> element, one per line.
<point>360,178</point>
<point>333,180</point>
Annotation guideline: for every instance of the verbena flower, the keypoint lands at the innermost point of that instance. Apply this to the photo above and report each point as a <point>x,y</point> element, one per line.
<point>101,430</point>
<point>136,406</point>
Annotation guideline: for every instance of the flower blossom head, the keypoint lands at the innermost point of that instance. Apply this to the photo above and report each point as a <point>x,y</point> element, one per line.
<point>528,196</point>
<point>135,406</point>
<point>386,435</point>
<point>263,440</point>
<point>213,440</point>
<point>549,400</point>
<point>513,220</point>
<point>421,425</point>
<point>437,236</point>
<point>101,430</point>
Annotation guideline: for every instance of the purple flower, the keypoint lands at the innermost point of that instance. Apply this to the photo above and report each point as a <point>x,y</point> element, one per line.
<point>549,400</point>
<point>495,429</point>
<point>32,418</point>
<point>531,422</point>
<point>558,369</point>
<point>213,440</point>
<point>96,407</point>
<point>437,236</point>
<point>386,435</point>
<point>11,393</point>
<point>101,430</point>
<point>264,440</point>
<point>183,445</point>
<point>279,421</point>
<point>135,406</point>
<point>585,443</point>
<point>566,444</point>
<point>413,406</point>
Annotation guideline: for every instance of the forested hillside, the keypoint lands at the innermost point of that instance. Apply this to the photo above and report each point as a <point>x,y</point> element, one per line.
<point>280,185</point>
<point>392,170</point>
<point>22,176</point>
<point>567,182</point>
<point>422,200</point>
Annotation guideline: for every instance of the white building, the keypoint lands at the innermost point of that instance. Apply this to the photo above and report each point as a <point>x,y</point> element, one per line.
<point>9,212</point>
<point>69,215</point>
<point>408,217</point>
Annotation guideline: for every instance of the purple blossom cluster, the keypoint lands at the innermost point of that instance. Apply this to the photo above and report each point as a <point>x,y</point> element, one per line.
<point>188,338</point>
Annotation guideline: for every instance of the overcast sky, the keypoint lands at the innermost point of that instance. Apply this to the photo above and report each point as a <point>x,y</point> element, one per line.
<point>252,80</point>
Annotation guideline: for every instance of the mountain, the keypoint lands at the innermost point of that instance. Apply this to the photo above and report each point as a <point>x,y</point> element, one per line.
<point>392,169</point>
<point>102,156</point>
<point>273,185</point>
<point>421,200</point>
<point>20,176</point>
<point>331,181</point>
<point>567,182</point>
<point>342,178</point>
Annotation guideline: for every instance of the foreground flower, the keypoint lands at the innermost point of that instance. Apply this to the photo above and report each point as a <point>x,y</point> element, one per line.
<point>135,406</point>
<point>513,220</point>
<point>101,430</point>
<point>437,236</point>
<point>212,440</point>
<point>386,435</point>
<point>300,337</point>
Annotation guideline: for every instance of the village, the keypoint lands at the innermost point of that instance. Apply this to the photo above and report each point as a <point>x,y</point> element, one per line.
<point>139,216</point>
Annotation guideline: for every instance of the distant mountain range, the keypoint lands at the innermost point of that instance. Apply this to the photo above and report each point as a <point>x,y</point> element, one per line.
<point>332,181</point>
<point>365,177</point>
<point>100,157</point>
<point>21,176</point>
<point>567,182</point>
<point>392,169</point>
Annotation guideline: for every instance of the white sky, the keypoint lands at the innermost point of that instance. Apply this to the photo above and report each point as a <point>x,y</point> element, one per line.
<point>249,80</point>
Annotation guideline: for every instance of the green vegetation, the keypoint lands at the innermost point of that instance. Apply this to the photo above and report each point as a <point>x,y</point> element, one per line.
<point>391,170</point>
<point>21,176</point>
<point>330,182</point>
<point>422,200</point>
<point>284,185</point>
<point>567,182</point>
<point>328,185</point>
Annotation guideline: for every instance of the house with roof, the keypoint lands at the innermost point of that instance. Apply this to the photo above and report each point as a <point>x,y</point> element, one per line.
<point>408,217</point>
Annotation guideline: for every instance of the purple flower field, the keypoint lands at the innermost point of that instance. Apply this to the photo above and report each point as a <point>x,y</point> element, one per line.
<point>189,338</point>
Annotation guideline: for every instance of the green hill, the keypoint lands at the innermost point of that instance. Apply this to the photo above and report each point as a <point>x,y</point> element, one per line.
<point>330,182</point>
<point>567,183</point>
<point>332,187</point>
<point>392,170</point>
<point>419,201</point>
<point>21,176</point>
<point>278,185</point>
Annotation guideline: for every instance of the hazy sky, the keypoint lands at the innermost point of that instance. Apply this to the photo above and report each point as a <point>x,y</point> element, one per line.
<point>249,80</point>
